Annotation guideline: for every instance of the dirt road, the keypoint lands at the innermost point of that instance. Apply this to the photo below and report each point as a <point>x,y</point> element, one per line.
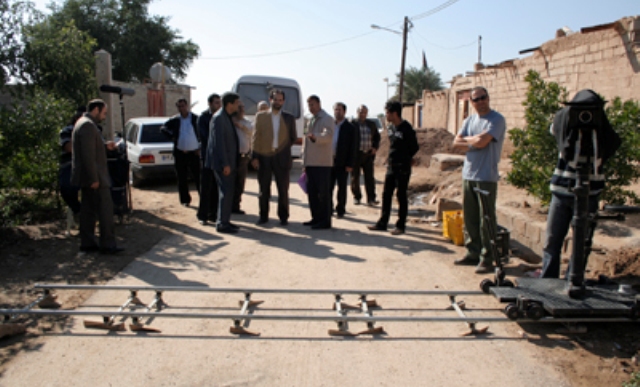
<point>194,352</point>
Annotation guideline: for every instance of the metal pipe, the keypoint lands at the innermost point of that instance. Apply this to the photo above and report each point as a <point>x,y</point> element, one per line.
<point>308,318</point>
<point>258,290</point>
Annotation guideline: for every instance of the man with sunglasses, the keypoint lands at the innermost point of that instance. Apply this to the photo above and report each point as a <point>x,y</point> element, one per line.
<point>482,134</point>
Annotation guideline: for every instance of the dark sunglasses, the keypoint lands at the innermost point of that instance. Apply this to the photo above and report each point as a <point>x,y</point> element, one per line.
<point>480,98</point>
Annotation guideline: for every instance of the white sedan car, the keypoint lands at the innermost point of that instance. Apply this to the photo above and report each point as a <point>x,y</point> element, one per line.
<point>150,151</point>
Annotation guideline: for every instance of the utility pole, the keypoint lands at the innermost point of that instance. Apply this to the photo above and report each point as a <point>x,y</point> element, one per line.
<point>479,48</point>
<point>404,54</point>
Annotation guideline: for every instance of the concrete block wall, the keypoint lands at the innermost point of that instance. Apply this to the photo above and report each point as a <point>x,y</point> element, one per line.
<point>526,235</point>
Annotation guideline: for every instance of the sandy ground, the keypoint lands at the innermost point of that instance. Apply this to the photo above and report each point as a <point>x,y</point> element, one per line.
<point>198,352</point>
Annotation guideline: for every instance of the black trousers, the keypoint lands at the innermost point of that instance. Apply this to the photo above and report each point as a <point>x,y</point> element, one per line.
<point>97,205</point>
<point>397,180</point>
<point>208,209</point>
<point>364,161</point>
<point>241,178</point>
<point>269,166</point>
<point>339,177</point>
<point>319,193</point>
<point>186,164</point>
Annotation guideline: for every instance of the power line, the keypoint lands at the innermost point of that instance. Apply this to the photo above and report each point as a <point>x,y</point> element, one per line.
<point>435,10</point>
<point>289,51</point>
<point>292,51</point>
<point>474,42</point>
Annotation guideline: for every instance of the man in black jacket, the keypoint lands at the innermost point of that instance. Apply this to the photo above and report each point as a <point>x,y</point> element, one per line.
<point>208,208</point>
<point>403,145</point>
<point>367,144</point>
<point>344,153</point>
<point>183,131</point>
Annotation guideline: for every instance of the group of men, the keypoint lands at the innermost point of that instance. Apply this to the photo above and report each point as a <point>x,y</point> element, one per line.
<point>217,147</point>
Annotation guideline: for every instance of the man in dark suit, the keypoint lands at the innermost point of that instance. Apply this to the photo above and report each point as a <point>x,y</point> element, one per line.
<point>90,172</point>
<point>367,144</point>
<point>274,135</point>
<point>183,131</point>
<point>344,153</point>
<point>208,208</point>
<point>222,158</point>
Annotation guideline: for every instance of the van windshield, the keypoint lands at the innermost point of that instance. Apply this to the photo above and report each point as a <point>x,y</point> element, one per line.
<point>251,94</point>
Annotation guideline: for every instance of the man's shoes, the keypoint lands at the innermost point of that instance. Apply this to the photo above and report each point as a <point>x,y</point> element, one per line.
<point>227,230</point>
<point>262,220</point>
<point>484,268</point>
<point>397,231</point>
<point>238,212</point>
<point>89,249</point>
<point>466,261</point>
<point>284,222</point>
<point>112,250</point>
<point>184,204</point>
<point>203,222</point>
<point>320,226</point>
<point>340,216</point>
<point>376,227</point>
<point>356,201</point>
<point>309,223</point>
<point>373,202</point>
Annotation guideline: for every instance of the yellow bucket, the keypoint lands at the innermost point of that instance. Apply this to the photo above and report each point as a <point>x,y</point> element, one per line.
<point>452,226</point>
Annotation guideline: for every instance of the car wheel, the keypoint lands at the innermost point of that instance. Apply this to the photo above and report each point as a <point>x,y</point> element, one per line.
<point>134,180</point>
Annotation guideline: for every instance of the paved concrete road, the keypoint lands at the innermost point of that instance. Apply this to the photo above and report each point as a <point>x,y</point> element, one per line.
<point>194,352</point>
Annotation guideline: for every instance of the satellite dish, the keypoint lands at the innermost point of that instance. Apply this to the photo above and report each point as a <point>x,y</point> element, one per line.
<point>156,72</point>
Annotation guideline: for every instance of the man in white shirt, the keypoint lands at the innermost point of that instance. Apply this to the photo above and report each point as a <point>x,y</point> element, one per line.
<point>182,129</point>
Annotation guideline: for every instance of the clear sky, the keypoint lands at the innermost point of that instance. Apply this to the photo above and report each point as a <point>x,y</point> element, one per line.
<point>230,32</point>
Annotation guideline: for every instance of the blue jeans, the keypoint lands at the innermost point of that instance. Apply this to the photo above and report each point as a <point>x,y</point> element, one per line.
<point>68,191</point>
<point>558,222</point>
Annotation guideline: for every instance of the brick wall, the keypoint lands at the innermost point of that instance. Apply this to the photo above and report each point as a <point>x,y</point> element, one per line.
<point>603,58</point>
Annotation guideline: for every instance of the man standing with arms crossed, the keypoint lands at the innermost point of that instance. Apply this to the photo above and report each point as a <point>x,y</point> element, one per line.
<point>367,144</point>
<point>91,173</point>
<point>317,160</point>
<point>208,208</point>
<point>274,135</point>
<point>482,134</point>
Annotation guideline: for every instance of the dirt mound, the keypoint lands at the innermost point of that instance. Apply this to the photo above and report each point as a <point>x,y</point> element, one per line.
<point>620,263</point>
<point>431,141</point>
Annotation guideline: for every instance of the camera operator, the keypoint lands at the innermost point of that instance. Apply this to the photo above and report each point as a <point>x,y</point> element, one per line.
<point>604,141</point>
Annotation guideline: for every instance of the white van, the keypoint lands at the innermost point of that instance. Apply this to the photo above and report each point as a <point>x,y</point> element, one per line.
<point>255,88</point>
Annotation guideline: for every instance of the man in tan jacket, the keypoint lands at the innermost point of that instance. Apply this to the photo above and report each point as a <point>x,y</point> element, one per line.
<point>317,160</point>
<point>274,135</point>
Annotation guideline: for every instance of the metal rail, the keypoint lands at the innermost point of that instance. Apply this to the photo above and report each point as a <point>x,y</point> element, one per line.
<point>345,317</point>
<point>358,292</point>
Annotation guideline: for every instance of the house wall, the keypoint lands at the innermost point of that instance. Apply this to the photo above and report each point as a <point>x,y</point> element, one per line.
<point>603,58</point>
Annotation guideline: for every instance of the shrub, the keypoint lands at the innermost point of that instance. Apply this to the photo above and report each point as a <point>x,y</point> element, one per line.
<point>29,155</point>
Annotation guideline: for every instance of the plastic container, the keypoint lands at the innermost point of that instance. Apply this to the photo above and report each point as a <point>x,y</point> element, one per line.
<point>452,226</point>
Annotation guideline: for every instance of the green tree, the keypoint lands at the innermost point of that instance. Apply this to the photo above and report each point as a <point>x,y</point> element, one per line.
<point>622,169</point>
<point>13,15</point>
<point>60,60</point>
<point>135,39</point>
<point>536,154</point>
<point>415,81</point>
